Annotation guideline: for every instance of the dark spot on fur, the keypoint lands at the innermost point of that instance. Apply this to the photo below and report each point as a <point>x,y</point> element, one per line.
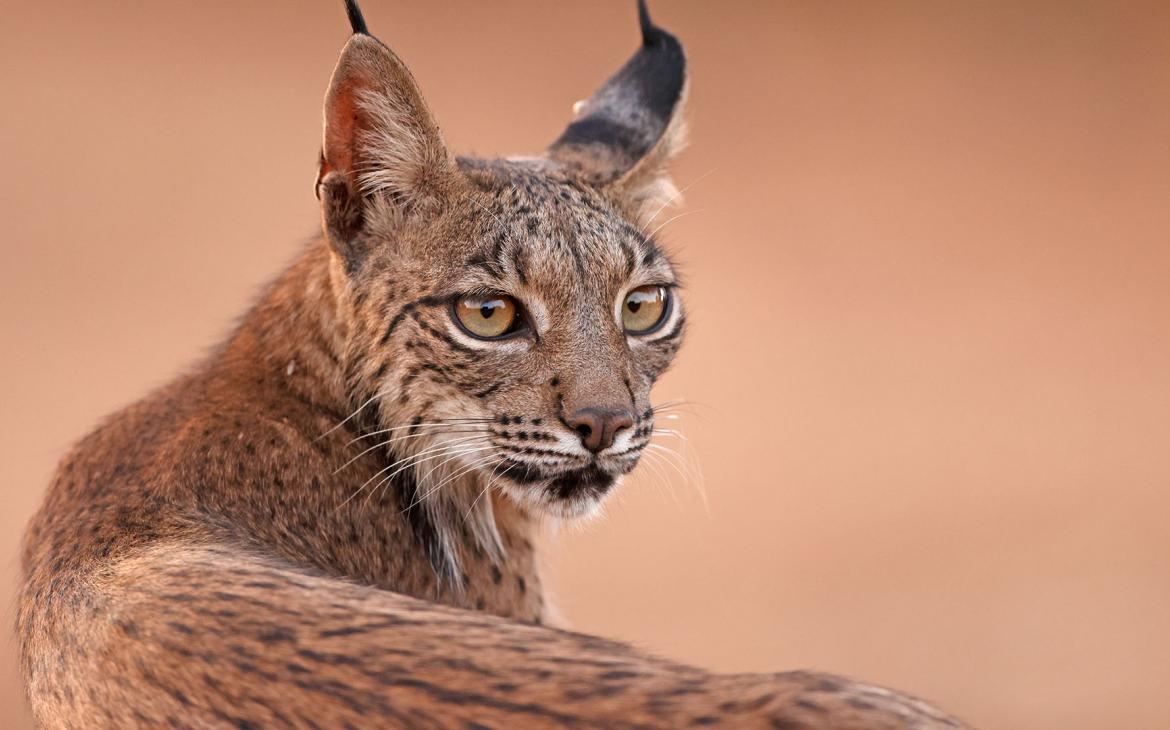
<point>808,705</point>
<point>277,635</point>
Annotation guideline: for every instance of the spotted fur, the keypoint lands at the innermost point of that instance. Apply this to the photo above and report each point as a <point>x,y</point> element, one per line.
<point>330,522</point>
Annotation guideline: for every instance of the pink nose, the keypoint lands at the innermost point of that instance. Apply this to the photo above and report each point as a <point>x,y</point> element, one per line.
<point>598,426</point>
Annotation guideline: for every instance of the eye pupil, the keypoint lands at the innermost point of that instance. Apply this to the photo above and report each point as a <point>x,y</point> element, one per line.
<point>490,318</point>
<point>645,309</point>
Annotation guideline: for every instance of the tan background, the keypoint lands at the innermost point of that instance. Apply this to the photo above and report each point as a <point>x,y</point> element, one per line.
<point>929,277</point>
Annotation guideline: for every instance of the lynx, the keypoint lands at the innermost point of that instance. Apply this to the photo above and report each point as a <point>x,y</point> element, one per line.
<point>330,522</point>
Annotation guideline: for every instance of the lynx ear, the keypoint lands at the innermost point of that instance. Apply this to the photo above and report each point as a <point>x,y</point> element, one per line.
<point>632,126</point>
<point>381,145</point>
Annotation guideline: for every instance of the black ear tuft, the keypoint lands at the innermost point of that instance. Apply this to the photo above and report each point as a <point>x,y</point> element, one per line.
<point>624,119</point>
<point>644,21</point>
<point>356,21</point>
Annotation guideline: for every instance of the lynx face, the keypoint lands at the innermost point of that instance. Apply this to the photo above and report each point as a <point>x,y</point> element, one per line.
<point>597,318</point>
<point>512,315</point>
<point>531,339</point>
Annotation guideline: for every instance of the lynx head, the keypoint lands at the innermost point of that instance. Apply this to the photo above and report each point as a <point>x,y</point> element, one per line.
<point>511,315</point>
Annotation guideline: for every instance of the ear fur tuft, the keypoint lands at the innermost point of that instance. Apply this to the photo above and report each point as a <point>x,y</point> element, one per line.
<point>644,22</point>
<point>356,21</point>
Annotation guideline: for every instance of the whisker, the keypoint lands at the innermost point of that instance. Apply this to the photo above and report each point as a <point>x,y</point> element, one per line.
<point>683,468</point>
<point>426,476</point>
<point>490,481</point>
<point>451,452</point>
<point>410,436</point>
<point>688,407</point>
<point>677,404</point>
<point>688,463</point>
<point>350,417</point>
<point>487,485</point>
<point>431,424</point>
<point>406,462</point>
<point>479,462</point>
<point>678,194</point>
<point>485,210</point>
<point>661,482</point>
<point>656,448</point>
<point>673,219</point>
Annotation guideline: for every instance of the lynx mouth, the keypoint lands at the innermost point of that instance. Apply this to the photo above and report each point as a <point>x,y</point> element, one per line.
<point>591,480</point>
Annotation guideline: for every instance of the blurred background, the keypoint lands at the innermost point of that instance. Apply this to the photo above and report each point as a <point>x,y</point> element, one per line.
<point>928,253</point>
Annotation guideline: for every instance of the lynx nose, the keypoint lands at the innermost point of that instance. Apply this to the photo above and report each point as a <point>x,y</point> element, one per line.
<point>598,426</point>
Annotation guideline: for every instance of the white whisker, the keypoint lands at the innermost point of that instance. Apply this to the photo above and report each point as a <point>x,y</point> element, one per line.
<point>479,462</point>
<point>359,409</point>
<point>678,194</point>
<point>485,210</point>
<point>481,434</point>
<point>432,424</point>
<point>450,452</point>
<point>661,481</point>
<point>406,462</point>
<point>490,481</point>
<point>683,468</point>
<point>672,219</point>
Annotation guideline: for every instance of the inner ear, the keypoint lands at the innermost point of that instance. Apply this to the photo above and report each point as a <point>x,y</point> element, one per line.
<point>381,145</point>
<point>627,120</point>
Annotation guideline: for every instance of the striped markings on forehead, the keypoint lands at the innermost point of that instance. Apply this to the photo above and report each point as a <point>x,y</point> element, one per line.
<point>558,233</point>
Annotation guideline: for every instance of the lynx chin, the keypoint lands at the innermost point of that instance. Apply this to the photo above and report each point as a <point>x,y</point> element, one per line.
<point>330,521</point>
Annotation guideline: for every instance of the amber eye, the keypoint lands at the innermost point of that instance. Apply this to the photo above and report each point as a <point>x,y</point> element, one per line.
<point>488,317</point>
<point>644,309</point>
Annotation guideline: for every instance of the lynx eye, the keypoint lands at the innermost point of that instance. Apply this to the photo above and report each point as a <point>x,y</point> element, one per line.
<point>488,317</point>
<point>644,309</point>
